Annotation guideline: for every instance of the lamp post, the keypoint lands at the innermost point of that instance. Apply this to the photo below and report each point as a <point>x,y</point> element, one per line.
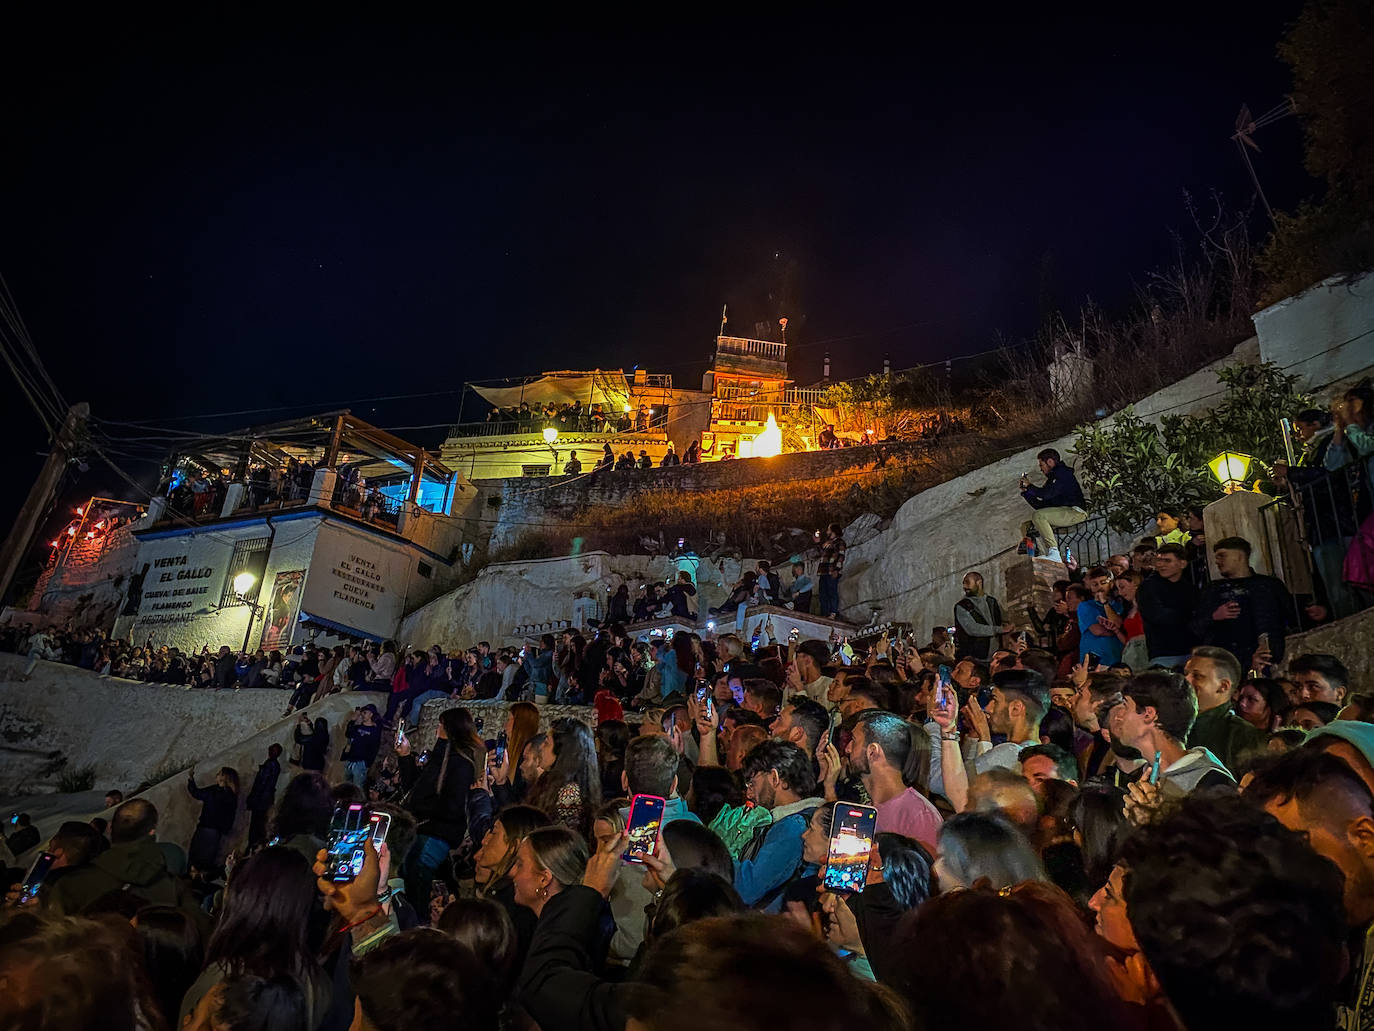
<point>1230,468</point>
<point>243,583</point>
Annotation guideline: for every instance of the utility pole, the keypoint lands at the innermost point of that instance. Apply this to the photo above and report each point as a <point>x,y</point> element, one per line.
<point>16,545</point>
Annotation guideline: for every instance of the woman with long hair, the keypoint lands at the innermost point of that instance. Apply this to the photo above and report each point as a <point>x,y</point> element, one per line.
<point>495,859</point>
<point>547,861</point>
<point>219,807</point>
<point>569,666</point>
<point>612,738</point>
<point>522,724</point>
<point>569,789</point>
<point>173,954</point>
<point>264,931</point>
<point>438,798</point>
<point>461,729</point>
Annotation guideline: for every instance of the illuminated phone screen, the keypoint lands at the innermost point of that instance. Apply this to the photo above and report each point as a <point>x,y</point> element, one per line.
<point>851,841</point>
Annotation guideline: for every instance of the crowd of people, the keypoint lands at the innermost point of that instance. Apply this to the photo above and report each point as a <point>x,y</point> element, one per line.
<point>576,417</point>
<point>1106,846</point>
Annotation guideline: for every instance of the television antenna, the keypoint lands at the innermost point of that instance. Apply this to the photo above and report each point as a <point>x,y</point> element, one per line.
<point>1244,137</point>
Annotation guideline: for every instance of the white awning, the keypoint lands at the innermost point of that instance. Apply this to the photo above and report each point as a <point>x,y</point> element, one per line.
<point>591,388</point>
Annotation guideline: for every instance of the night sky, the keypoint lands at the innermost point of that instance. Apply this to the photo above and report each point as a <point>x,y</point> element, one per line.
<point>218,217</point>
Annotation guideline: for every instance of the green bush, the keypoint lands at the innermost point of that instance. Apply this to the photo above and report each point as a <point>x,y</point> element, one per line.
<point>1129,468</point>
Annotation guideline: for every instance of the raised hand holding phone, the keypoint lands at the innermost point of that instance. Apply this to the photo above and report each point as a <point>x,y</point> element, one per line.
<point>642,827</point>
<point>603,868</point>
<point>402,744</point>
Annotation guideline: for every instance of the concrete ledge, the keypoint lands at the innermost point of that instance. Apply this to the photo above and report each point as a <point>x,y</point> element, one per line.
<point>125,729</point>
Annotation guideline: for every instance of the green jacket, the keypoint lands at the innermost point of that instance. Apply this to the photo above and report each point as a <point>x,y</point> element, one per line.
<point>737,826</point>
<point>138,865</point>
<point>1227,736</point>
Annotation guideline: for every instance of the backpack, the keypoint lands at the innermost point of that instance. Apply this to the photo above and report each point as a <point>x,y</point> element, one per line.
<point>755,844</point>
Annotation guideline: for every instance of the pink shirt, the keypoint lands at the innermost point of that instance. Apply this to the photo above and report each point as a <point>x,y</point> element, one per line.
<point>912,814</point>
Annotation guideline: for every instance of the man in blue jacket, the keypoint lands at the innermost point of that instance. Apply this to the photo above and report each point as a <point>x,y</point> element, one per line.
<point>778,775</point>
<point>1058,503</point>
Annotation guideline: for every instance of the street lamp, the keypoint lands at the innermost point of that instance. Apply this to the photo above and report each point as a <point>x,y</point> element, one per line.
<point>243,583</point>
<point>550,435</point>
<point>1230,468</point>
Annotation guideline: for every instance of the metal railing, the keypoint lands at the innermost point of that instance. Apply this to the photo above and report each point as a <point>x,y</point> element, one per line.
<point>366,503</point>
<point>623,424</point>
<point>1089,542</point>
<point>773,352</point>
<point>1309,530</point>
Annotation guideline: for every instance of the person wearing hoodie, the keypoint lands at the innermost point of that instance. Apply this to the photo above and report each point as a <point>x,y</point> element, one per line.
<point>1157,714</point>
<point>779,776</point>
<point>133,862</point>
<point>1314,791</point>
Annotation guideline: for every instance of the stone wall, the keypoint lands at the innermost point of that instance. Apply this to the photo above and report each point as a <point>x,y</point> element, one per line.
<point>1324,334</point>
<point>123,728</point>
<point>89,584</point>
<point>1351,640</point>
<point>508,595</point>
<point>535,501</point>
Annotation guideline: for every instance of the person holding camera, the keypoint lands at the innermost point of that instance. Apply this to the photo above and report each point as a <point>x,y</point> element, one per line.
<point>1058,503</point>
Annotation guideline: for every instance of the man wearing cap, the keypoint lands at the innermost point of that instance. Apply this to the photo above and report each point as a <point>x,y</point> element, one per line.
<point>364,739</point>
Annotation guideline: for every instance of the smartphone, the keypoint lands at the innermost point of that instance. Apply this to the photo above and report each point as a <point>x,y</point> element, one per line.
<point>710,624</point>
<point>381,825</point>
<point>703,693</point>
<point>1091,662</point>
<point>1264,642</point>
<point>37,872</point>
<point>851,841</point>
<point>754,642</point>
<point>646,817</point>
<point>1024,638</point>
<point>1154,768</point>
<point>14,819</point>
<point>710,709</point>
<point>400,733</point>
<point>499,753</point>
<point>348,833</point>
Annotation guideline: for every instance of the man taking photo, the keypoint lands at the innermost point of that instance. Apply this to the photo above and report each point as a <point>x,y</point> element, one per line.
<point>1059,502</point>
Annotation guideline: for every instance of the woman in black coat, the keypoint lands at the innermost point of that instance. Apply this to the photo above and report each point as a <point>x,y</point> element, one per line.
<point>219,807</point>
<point>314,742</point>
<point>438,799</point>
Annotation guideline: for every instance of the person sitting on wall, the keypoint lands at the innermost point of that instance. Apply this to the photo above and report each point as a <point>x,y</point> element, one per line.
<point>693,455</point>
<point>827,440</point>
<point>670,458</point>
<point>574,467</point>
<point>1058,503</point>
